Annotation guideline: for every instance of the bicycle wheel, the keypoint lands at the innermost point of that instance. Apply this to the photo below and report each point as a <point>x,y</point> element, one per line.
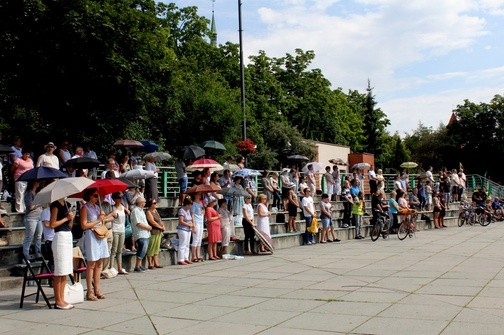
<point>461,219</point>
<point>375,231</point>
<point>403,231</point>
<point>485,220</point>
<point>385,231</point>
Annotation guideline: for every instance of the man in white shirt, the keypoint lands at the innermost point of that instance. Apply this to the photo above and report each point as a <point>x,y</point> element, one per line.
<point>111,166</point>
<point>329,180</point>
<point>373,182</point>
<point>48,159</point>
<point>309,214</point>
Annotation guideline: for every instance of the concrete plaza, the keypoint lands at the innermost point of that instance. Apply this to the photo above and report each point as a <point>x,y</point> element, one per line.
<point>448,281</point>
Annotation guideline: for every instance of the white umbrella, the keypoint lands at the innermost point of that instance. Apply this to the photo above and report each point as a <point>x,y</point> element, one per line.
<point>60,189</point>
<point>138,174</point>
<point>316,167</point>
<point>159,156</point>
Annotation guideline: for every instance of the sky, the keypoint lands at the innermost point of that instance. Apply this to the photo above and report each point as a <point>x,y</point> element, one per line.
<point>422,57</point>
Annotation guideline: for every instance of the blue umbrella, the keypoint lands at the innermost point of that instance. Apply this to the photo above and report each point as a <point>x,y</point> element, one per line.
<point>246,173</point>
<point>149,146</point>
<point>41,173</point>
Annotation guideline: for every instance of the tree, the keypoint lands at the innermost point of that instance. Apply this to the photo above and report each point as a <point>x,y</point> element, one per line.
<point>375,123</point>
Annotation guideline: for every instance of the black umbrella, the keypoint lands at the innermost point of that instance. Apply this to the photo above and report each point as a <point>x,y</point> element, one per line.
<point>193,151</point>
<point>128,182</point>
<point>41,173</point>
<point>83,163</point>
<point>5,149</point>
<point>211,144</point>
<point>298,158</point>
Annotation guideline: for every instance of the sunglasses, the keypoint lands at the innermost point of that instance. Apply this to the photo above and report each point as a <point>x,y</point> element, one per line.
<point>95,195</point>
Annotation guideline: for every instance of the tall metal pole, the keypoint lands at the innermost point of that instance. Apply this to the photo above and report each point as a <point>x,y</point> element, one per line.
<point>242,72</point>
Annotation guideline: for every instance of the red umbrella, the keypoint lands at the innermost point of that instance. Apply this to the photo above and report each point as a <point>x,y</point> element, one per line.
<point>202,163</point>
<point>104,187</point>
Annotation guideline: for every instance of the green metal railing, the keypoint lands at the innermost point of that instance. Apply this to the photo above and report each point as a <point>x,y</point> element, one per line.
<point>169,188</point>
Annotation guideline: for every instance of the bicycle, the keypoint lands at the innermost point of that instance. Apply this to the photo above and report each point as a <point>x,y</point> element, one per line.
<point>467,216</point>
<point>380,226</point>
<point>486,218</point>
<point>483,217</point>
<point>407,228</point>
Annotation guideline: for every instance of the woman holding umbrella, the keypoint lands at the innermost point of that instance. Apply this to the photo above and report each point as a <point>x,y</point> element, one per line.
<point>91,216</point>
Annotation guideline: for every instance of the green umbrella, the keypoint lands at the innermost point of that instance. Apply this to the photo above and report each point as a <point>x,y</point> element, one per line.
<point>211,144</point>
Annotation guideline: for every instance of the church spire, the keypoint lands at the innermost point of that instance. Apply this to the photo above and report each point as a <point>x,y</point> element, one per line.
<point>213,29</point>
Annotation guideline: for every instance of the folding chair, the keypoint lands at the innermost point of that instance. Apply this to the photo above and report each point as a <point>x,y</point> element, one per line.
<point>36,270</point>
<point>80,265</point>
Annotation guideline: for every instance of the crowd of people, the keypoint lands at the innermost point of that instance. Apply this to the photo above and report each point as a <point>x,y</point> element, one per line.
<point>135,224</point>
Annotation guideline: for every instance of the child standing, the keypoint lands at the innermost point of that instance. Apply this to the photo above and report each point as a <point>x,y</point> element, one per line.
<point>226,219</point>
<point>357,212</point>
<point>428,193</point>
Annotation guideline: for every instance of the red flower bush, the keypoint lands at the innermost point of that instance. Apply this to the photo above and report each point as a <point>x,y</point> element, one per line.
<point>246,146</point>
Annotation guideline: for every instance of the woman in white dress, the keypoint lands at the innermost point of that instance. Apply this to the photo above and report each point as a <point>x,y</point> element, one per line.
<point>263,215</point>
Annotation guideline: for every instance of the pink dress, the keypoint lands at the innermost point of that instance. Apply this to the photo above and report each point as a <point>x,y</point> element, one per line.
<point>214,227</point>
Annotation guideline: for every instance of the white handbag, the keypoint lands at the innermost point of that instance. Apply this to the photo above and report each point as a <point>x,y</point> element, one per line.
<point>74,294</point>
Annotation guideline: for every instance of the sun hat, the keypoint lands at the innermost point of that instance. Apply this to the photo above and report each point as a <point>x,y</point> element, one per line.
<point>49,144</point>
<point>211,199</point>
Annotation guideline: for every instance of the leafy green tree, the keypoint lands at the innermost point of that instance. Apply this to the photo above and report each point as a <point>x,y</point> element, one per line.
<point>375,123</point>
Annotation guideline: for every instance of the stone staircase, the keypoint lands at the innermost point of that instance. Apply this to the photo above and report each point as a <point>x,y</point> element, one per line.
<point>10,255</point>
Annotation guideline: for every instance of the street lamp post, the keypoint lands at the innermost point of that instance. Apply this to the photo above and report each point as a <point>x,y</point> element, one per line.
<point>242,72</point>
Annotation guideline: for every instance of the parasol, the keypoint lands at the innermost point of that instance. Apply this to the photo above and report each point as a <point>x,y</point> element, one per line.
<point>298,158</point>
<point>211,144</point>
<point>41,173</point>
<point>60,189</point>
<point>246,173</point>
<point>127,143</point>
<point>138,174</point>
<point>233,192</point>
<point>104,187</point>
<point>316,167</point>
<point>83,163</point>
<point>149,146</point>
<point>361,166</point>
<point>202,163</point>
<point>230,167</point>
<point>192,152</point>
<point>337,161</point>
<point>409,165</point>
<point>159,156</point>
<point>203,188</point>
<point>264,238</point>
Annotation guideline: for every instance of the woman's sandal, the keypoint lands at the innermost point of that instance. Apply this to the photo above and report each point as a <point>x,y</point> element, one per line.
<point>90,296</point>
<point>100,295</point>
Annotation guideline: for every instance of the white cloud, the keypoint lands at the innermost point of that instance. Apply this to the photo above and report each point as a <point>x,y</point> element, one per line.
<point>376,43</point>
<point>493,7</point>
